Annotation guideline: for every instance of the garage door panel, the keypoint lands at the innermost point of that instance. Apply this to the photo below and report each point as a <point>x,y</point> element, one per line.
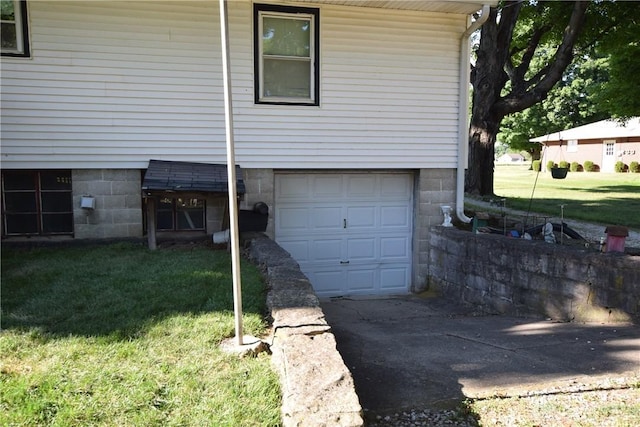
<point>359,217</point>
<point>293,219</point>
<point>395,216</point>
<point>394,278</point>
<point>327,187</point>
<point>326,218</point>
<point>394,247</point>
<point>361,186</point>
<point>292,187</point>
<point>361,249</point>
<point>395,187</point>
<point>361,279</point>
<point>327,250</point>
<point>328,283</point>
<point>298,249</point>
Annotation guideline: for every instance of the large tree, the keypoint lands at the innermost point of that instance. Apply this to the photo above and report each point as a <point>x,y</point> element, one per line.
<point>503,79</point>
<point>526,48</point>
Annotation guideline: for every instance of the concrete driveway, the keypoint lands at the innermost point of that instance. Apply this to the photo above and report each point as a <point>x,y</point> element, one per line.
<point>413,352</point>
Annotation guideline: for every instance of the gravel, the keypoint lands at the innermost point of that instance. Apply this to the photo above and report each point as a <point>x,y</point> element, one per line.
<point>605,402</point>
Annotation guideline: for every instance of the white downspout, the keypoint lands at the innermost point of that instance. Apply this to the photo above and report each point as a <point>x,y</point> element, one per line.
<point>463,112</point>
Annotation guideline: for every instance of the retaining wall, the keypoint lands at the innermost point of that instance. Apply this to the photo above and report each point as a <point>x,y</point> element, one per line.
<point>317,387</point>
<point>521,277</point>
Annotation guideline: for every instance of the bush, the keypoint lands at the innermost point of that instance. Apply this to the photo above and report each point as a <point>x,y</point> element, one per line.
<point>589,166</point>
<point>550,165</point>
<point>575,167</point>
<point>634,167</point>
<point>564,165</point>
<point>536,165</point>
<point>620,166</point>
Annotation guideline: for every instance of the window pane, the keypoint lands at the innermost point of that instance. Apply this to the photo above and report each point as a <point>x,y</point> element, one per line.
<point>19,181</point>
<point>9,38</point>
<point>56,202</point>
<point>7,11</point>
<point>55,180</point>
<point>20,202</point>
<point>57,223</point>
<point>287,78</point>
<point>22,223</point>
<point>289,37</point>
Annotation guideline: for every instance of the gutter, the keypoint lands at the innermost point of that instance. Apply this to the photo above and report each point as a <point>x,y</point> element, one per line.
<point>463,112</point>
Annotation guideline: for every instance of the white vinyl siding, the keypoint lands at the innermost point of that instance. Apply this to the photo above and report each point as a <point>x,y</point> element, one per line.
<point>113,84</point>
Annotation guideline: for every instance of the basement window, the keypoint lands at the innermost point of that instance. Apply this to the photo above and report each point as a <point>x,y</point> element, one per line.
<point>37,202</point>
<point>180,213</point>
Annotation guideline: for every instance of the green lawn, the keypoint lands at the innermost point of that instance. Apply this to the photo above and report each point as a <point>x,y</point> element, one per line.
<point>604,198</point>
<point>120,335</point>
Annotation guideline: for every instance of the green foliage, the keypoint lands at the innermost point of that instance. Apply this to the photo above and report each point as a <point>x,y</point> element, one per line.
<point>589,166</point>
<point>620,166</point>
<point>634,167</point>
<point>535,165</point>
<point>575,167</point>
<point>550,165</point>
<point>564,164</point>
<point>120,335</point>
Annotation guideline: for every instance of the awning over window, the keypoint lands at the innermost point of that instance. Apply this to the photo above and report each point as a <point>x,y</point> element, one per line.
<point>163,175</point>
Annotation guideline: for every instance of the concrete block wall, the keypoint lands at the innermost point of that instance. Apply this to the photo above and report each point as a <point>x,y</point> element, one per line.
<point>515,276</point>
<point>118,211</point>
<point>433,188</point>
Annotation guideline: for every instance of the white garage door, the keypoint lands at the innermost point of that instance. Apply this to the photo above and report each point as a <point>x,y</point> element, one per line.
<point>350,233</point>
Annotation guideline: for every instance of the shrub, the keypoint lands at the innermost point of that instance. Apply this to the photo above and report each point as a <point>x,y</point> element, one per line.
<point>550,165</point>
<point>589,166</point>
<point>575,167</point>
<point>634,167</point>
<point>564,165</point>
<point>536,165</point>
<point>620,166</point>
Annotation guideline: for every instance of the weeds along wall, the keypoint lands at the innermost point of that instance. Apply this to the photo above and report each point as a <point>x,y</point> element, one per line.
<point>514,276</point>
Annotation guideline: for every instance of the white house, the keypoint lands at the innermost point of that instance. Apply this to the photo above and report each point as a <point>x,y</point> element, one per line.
<point>350,124</point>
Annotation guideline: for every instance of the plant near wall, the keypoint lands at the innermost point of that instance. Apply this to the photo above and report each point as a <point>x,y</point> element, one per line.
<point>634,167</point>
<point>564,164</point>
<point>620,166</point>
<point>550,165</point>
<point>589,166</point>
<point>575,167</point>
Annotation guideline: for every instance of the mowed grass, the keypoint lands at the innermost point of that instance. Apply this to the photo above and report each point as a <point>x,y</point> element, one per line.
<point>603,198</point>
<point>119,335</point>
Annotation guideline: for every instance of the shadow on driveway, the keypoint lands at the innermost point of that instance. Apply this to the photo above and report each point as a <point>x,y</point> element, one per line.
<point>412,352</point>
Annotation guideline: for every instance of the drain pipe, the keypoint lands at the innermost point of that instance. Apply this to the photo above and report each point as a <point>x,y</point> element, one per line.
<point>463,112</point>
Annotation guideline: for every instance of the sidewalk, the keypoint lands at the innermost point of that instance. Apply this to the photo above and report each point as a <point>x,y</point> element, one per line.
<point>412,352</point>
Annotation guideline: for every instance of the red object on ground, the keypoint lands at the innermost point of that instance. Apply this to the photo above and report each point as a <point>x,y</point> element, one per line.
<point>616,236</point>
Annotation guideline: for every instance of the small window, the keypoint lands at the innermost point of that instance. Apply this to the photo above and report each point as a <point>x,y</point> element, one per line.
<point>180,213</point>
<point>286,41</point>
<point>572,146</point>
<point>14,28</point>
<point>37,203</point>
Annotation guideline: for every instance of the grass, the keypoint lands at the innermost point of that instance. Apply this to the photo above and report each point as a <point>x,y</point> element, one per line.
<point>603,198</point>
<point>120,335</point>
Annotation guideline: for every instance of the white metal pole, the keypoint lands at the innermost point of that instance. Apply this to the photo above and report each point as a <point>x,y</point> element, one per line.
<point>231,174</point>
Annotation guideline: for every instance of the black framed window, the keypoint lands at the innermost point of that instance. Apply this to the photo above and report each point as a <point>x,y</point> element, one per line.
<point>37,202</point>
<point>180,213</point>
<point>286,54</point>
<point>14,28</point>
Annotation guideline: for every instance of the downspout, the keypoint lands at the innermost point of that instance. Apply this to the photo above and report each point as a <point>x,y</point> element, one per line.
<point>463,112</point>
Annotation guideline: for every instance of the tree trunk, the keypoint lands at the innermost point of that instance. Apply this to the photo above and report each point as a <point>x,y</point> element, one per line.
<point>479,178</point>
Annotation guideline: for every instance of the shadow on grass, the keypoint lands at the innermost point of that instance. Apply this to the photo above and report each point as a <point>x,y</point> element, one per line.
<point>119,290</point>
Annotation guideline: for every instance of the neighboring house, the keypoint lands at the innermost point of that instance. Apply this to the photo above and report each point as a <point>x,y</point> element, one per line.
<point>511,158</point>
<point>604,143</point>
<point>350,121</point>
